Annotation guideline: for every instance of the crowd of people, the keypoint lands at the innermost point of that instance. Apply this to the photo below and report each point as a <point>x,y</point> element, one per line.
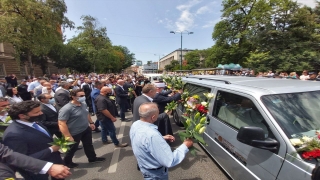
<point>63,105</point>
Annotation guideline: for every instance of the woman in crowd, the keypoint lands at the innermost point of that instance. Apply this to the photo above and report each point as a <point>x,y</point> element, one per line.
<point>13,96</point>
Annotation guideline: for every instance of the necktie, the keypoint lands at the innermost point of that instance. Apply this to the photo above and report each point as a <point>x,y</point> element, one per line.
<point>37,127</point>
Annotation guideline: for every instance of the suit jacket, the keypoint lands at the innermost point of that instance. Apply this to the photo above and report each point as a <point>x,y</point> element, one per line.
<point>121,95</point>
<point>162,100</point>
<point>49,118</point>
<point>61,97</point>
<point>163,120</point>
<point>87,90</point>
<point>14,159</point>
<point>29,141</point>
<point>23,92</point>
<point>136,104</point>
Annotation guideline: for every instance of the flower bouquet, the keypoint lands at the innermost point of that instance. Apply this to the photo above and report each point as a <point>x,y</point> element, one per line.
<point>63,143</point>
<point>195,126</point>
<point>4,125</point>
<point>307,147</point>
<point>130,92</point>
<point>196,119</point>
<point>171,106</point>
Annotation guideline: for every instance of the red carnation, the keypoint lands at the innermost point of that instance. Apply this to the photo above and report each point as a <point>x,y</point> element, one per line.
<point>311,154</point>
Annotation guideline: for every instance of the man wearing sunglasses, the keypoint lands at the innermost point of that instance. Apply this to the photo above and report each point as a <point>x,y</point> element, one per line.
<point>76,124</point>
<point>49,117</point>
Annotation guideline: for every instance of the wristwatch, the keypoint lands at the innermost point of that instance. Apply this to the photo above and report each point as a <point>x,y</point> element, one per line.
<point>91,123</point>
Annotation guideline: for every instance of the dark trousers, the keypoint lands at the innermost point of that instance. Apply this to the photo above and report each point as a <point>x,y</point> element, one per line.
<point>123,109</point>
<point>96,124</point>
<point>55,132</point>
<point>164,124</point>
<point>89,104</point>
<point>86,138</point>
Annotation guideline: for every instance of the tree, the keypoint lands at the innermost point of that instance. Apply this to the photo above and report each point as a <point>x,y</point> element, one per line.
<point>97,48</point>
<point>276,35</point>
<point>68,56</point>
<point>32,26</point>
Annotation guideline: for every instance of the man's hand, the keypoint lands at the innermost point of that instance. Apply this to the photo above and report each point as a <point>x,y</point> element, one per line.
<point>169,113</point>
<point>70,138</point>
<point>188,142</point>
<point>92,126</point>
<point>55,148</point>
<point>169,138</point>
<point>59,171</point>
<point>114,119</point>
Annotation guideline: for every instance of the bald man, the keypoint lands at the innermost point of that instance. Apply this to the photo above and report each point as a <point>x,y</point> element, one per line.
<point>121,97</point>
<point>106,113</point>
<point>150,148</point>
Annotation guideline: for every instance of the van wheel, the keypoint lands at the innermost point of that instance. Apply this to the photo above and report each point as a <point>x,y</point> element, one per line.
<point>176,119</point>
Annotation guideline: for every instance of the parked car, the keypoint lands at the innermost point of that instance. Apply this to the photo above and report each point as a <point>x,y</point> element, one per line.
<point>251,123</point>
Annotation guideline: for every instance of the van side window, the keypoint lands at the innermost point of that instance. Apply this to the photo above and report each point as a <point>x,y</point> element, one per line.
<point>238,111</point>
<point>196,90</point>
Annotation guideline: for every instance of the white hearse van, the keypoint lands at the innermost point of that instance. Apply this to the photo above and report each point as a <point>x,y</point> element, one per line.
<point>251,121</point>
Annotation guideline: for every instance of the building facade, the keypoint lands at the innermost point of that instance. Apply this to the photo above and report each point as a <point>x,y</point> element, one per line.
<point>150,68</point>
<point>175,55</point>
<point>9,65</point>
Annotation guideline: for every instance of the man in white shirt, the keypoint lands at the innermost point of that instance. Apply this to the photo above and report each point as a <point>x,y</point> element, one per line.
<point>47,88</point>
<point>38,89</point>
<point>304,75</point>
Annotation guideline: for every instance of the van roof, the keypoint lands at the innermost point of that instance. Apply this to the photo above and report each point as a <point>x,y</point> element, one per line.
<point>258,86</point>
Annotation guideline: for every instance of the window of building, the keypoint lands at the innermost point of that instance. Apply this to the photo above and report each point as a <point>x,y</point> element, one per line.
<point>238,111</point>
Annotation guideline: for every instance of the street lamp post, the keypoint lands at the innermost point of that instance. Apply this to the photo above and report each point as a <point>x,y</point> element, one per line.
<point>159,60</point>
<point>181,32</point>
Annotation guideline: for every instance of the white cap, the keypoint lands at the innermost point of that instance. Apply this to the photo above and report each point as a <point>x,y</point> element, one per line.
<point>70,80</point>
<point>160,85</point>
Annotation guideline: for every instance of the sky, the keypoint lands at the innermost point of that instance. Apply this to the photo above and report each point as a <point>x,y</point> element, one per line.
<point>144,26</point>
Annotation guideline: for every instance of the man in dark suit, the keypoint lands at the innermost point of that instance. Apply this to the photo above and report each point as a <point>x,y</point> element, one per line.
<point>121,97</point>
<point>149,91</point>
<point>87,88</point>
<point>23,90</point>
<point>62,96</point>
<point>17,160</point>
<point>129,84</point>
<point>25,136</point>
<point>162,100</point>
<point>49,117</point>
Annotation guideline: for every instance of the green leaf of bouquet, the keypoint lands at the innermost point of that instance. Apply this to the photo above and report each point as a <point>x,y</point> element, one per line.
<point>198,137</point>
<point>70,143</point>
<point>193,151</point>
<point>184,134</point>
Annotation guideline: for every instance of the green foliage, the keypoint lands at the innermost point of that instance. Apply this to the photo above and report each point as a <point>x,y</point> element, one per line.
<point>33,27</point>
<point>276,35</point>
<point>63,143</point>
<point>96,48</point>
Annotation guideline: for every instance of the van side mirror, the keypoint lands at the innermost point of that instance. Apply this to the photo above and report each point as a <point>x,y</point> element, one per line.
<point>254,136</point>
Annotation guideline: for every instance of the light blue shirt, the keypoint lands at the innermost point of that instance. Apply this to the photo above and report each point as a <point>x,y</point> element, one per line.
<point>151,150</point>
<point>33,85</point>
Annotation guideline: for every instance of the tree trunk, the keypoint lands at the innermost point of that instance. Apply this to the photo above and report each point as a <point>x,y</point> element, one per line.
<point>30,64</point>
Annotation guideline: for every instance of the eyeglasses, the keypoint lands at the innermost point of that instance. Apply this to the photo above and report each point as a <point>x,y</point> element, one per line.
<point>50,98</point>
<point>81,96</point>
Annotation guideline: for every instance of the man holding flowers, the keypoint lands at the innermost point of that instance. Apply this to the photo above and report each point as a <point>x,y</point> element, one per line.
<point>26,136</point>
<point>150,148</point>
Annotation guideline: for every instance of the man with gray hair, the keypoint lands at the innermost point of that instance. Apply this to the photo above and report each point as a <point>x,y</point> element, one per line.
<point>150,148</point>
<point>62,95</point>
